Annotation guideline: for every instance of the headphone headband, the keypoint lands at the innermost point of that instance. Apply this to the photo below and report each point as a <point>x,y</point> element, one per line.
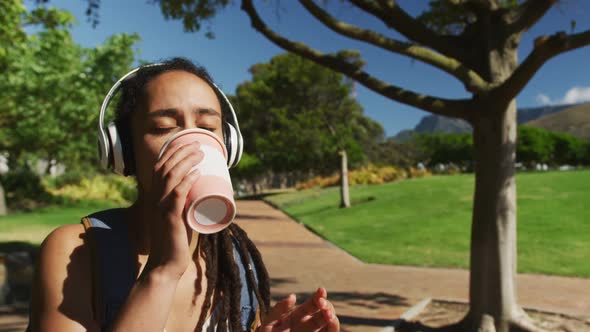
<point>105,140</point>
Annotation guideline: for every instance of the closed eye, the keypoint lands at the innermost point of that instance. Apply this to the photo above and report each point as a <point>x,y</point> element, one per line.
<point>162,130</point>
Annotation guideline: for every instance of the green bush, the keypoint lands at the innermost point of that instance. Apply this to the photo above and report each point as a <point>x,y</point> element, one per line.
<point>70,177</point>
<point>369,174</point>
<point>113,188</point>
<point>24,189</point>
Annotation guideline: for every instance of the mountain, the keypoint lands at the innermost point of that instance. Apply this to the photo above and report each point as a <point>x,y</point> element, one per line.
<point>529,114</point>
<point>436,123</point>
<point>574,120</point>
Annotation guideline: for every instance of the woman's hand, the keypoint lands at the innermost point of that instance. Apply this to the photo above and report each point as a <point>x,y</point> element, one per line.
<point>169,235</point>
<point>315,314</point>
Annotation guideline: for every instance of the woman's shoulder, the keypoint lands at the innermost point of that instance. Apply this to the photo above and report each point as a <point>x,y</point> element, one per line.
<point>63,241</point>
<point>62,286</point>
<point>64,247</point>
<point>71,244</point>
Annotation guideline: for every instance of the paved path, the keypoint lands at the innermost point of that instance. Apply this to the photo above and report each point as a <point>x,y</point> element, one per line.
<point>367,296</point>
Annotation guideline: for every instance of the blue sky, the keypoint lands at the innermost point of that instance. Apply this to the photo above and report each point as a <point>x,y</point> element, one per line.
<point>237,47</point>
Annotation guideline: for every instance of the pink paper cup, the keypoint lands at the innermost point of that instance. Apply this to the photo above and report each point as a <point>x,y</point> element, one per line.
<point>210,205</point>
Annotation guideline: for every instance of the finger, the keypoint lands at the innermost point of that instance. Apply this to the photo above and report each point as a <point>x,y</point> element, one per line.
<point>178,155</point>
<point>180,192</point>
<point>281,308</point>
<point>309,307</point>
<point>327,309</point>
<point>177,174</point>
<point>272,322</point>
<point>314,322</point>
<point>171,151</point>
<point>333,324</point>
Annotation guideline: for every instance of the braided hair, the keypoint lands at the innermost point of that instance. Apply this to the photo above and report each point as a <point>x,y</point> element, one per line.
<point>223,274</point>
<point>223,277</point>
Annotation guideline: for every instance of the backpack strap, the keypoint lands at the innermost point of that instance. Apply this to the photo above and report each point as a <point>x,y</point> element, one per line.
<point>114,267</point>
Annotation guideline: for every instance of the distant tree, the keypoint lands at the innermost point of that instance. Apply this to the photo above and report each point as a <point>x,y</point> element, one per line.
<point>404,154</point>
<point>567,149</point>
<point>586,153</point>
<point>535,145</point>
<point>250,169</point>
<point>297,117</point>
<point>441,148</point>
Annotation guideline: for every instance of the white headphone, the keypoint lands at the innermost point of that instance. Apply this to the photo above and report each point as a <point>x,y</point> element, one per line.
<point>110,148</point>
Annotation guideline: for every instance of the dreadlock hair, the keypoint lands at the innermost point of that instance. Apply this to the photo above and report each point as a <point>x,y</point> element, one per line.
<point>222,272</point>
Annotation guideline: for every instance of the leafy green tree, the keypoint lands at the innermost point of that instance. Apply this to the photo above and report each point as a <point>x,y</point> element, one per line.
<point>250,168</point>
<point>476,42</point>
<point>51,90</point>
<point>446,148</point>
<point>567,149</point>
<point>297,116</point>
<point>534,145</point>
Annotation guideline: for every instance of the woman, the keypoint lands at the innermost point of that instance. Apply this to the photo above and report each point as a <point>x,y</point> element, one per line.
<point>180,280</point>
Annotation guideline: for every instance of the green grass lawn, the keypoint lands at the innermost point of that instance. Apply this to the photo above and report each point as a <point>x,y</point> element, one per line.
<point>33,227</point>
<point>427,221</point>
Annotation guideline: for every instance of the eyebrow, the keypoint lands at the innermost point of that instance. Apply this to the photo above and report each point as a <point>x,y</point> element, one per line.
<point>173,112</point>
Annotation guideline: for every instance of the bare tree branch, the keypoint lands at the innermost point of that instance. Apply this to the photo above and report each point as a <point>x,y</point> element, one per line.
<point>396,18</point>
<point>448,107</point>
<point>546,47</point>
<point>527,14</point>
<point>472,81</point>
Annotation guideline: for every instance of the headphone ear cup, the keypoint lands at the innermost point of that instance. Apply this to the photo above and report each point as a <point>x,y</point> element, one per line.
<point>227,141</point>
<point>103,149</point>
<point>117,161</point>
<point>232,146</point>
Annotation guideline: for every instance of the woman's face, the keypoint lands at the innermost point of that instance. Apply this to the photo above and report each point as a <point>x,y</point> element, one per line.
<point>174,101</point>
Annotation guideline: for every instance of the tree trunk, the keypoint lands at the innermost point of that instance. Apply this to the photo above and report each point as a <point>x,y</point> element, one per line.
<point>492,290</point>
<point>50,163</point>
<point>2,201</point>
<point>344,194</point>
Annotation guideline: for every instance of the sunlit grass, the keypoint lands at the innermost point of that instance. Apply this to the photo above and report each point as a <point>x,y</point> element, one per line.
<point>427,221</point>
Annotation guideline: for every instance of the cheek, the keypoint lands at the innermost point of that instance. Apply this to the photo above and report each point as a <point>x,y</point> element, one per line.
<point>146,149</point>
<point>149,148</point>
<point>219,133</point>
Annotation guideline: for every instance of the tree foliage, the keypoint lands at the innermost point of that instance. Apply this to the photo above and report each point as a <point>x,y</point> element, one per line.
<point>52,88</point>
<point>535,145</point>
<point>295,116</point>
<point>446,148</point>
